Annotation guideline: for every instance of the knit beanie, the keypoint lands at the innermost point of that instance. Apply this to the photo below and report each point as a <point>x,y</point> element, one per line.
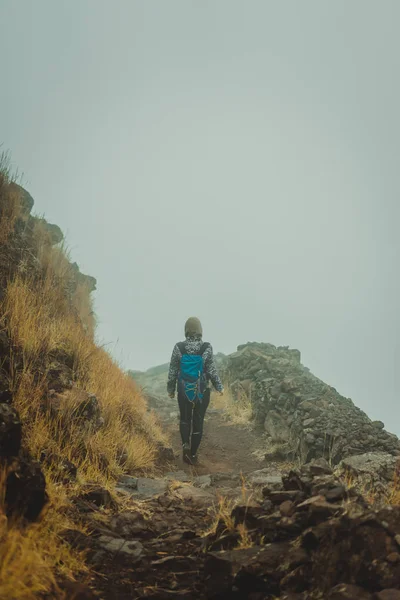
<point>193,327</point>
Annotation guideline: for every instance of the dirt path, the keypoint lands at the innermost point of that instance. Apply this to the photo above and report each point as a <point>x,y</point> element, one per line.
<point>225,447</point>
<point>173,540</point>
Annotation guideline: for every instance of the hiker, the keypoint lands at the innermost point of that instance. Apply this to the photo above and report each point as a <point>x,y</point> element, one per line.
<point>191,370</point>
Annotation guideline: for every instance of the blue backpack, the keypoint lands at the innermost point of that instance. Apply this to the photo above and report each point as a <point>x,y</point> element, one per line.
<point>192,379</point>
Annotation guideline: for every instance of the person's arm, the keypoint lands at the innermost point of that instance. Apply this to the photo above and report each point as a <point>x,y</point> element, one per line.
<point>173,371</point>
<point>211,370</point>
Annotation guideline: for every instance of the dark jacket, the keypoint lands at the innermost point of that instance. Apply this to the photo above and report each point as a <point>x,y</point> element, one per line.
<point>192,346</point>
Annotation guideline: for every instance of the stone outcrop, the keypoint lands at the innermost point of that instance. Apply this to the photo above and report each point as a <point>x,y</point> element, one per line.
<point>24,196</point>
<point>25,232</point>
<point>86,280</point>
<point>302,416</point>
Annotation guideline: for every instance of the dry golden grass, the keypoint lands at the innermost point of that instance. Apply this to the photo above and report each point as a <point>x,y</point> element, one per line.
<point>239,411</point>
<point>49,320</point>
<point>221,513</point>
<point>39,331</point>
<point>393,494</point>
<point>390,496</point>
<point>245,540</point>
<point>31,557</point>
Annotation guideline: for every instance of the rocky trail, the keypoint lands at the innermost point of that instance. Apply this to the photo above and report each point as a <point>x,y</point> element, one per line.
<point>171,517</point>
<point>239,527</point>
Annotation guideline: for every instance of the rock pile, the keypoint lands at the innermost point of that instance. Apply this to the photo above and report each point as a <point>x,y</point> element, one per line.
<point>306,536</point>
<point>302,416</point>
<point>313,538</point>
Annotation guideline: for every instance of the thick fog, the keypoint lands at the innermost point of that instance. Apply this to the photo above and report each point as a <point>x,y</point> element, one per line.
<point>233,160</point>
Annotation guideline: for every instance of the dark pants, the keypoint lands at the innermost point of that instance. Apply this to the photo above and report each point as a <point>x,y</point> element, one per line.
<point>192,416</point>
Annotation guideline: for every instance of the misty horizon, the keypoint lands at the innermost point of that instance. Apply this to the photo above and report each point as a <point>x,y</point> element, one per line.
<point>237,162</point>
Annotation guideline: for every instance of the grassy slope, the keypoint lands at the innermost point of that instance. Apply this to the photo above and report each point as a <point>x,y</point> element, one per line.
<point>49,325</point>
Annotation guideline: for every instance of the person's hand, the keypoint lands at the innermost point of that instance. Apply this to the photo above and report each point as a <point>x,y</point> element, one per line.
<point>171,395</point>
<point>221,393</point>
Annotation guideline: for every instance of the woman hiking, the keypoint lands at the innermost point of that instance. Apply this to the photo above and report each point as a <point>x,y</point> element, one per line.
<point>191,370</point>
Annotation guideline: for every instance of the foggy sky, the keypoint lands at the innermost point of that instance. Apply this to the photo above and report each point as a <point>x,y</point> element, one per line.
<point>238,161</point>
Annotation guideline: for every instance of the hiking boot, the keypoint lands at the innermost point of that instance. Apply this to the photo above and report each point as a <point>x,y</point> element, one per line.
<point>186,454</point>
<point>193,459</point>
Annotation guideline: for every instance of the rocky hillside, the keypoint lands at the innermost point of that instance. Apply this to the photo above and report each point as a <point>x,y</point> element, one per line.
<point>70,419</point>
<point>302,416</point>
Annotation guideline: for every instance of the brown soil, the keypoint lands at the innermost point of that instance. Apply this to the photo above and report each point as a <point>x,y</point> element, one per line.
<point>225,447</point>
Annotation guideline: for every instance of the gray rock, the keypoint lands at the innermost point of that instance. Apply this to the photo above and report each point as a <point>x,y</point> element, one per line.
<point>268,477</point>
<point>227,480</point>
<point>195,496</point>
<point>373,465</point>
<point>203,481</point>
<point>276,427</point>
<point>128,524</point>
<point>131,548</point>
<point>178,476</point>
<point>146,488</point>
<point>320,466</point>
<point>128,482</point>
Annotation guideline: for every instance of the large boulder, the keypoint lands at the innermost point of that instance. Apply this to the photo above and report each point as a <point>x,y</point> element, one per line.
<point>371,467</point>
